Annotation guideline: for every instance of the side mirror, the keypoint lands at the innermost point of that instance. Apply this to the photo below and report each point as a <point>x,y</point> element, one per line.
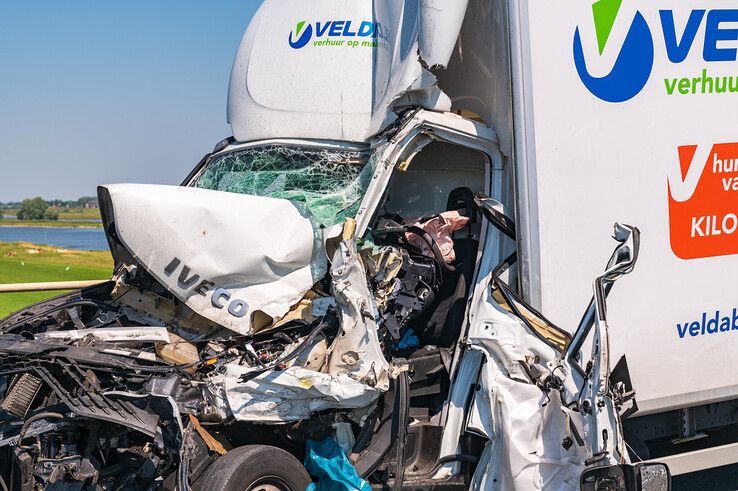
<point>627,477</point>
<point>625,255</point>
<point>621,262</point>
<point>654,477</point>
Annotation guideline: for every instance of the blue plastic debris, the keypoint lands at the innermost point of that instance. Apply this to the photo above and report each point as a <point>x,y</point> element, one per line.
<point>409,340</point>
<point>326,461</point>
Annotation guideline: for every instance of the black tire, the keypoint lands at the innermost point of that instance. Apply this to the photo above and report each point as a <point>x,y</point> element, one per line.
<point>255,467</point>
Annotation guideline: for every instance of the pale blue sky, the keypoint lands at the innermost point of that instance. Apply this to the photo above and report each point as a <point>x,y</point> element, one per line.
<point>97,92</point>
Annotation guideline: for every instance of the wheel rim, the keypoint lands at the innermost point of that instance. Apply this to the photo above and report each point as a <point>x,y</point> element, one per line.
<point>269,483</point>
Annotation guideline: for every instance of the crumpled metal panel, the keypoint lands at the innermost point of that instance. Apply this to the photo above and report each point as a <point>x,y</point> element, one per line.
<point>357,371</point>
<point>356,350</point>
<point>292,394</point>
<point>201,245</point>
<point>528,428</point>
<point>440,23</point>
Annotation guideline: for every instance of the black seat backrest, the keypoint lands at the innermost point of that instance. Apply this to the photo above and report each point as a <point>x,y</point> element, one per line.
<point>441,324</point>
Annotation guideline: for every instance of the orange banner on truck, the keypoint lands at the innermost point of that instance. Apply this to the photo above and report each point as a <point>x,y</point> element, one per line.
<point>703,204</point>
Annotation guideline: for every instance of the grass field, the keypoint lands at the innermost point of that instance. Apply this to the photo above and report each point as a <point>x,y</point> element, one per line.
<point>80,214</point>
<point>14,222</point>
<point>21,262</point>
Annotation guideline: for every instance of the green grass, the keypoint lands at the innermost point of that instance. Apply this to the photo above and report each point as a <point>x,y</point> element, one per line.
<point>19,264</point>
<point>80,214</point>
<point>14,222</point>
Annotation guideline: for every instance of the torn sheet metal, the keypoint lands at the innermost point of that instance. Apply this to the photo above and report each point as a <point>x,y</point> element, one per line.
<point>356,372</point>
<point>532,445</point>
<point>528,430</point>
<point>201,246</point>
<point>356,350</point>
<point>529,400</point>
<point>357,62</point>
<point>400,79</point>
<point>440,23</point>
<point>292,394</point>
<point>383,264</point>
<point>531,441</point>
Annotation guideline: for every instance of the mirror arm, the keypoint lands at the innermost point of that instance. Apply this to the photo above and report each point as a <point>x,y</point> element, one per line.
<point>630,239</point>
<point>585,325</point>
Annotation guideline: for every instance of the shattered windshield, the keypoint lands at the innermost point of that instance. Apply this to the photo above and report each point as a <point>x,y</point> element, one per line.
<point>328,184</point>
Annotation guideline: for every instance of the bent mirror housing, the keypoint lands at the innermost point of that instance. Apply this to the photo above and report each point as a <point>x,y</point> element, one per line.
<point>622,262</point>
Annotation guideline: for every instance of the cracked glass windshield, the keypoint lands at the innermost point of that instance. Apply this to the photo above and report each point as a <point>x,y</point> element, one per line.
<point>326,183</point>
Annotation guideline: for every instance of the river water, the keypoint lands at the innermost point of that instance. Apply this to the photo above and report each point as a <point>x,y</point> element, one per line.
<point>83,239</point>
<point>90,220</point>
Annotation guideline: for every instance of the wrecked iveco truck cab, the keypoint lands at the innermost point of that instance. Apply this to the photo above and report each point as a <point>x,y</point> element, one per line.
<point>330,298</point>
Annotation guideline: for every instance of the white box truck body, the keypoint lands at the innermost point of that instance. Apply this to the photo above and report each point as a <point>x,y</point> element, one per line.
<point>639,130</point>
<point>624,111</point>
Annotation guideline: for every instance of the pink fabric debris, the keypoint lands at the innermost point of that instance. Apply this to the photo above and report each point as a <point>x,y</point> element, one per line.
<point>440,229</point>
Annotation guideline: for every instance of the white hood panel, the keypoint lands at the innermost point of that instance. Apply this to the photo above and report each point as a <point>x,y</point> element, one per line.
<point>225,255</point>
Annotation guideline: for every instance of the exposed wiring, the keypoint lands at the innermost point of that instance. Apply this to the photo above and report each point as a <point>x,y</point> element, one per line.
<point>32,419</point>
<point>291,356</point>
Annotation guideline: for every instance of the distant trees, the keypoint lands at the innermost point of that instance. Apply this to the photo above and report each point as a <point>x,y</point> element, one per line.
<point>40,209</point>
<point>32,209</point>
<point>83,202</point>
<point>87,201</point>
<point>36,209</point>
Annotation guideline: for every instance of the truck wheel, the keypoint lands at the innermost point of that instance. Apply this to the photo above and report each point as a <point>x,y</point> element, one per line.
<point>255,468</point>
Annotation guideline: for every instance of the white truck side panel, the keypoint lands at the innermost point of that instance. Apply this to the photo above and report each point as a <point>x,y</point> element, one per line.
<point>614,140</point>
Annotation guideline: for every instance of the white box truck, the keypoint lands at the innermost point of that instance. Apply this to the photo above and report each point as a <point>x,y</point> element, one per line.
<point>395,269</point>
<point>622,111</point>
